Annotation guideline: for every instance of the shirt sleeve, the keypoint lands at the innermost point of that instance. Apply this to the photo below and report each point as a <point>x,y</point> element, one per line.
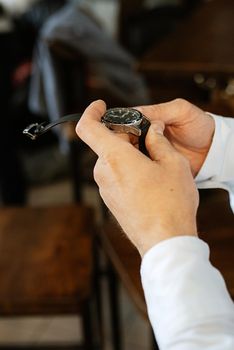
<point>187,300</point>
<point>218,168</point>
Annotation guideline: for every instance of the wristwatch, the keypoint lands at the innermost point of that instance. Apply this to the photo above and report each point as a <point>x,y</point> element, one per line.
<point>126,120</point>
<point>121,120</point>
<point>129,121</point>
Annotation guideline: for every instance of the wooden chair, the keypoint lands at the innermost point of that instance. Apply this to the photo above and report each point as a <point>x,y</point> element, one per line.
<point>46,264</point>
<point>215,222</point>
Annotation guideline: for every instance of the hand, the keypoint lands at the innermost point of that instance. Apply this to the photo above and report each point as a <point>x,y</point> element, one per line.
<point>189,129</point>
<point>152,199</point>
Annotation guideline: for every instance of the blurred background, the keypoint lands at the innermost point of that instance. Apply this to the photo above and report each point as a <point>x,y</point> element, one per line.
<point>56,57</point>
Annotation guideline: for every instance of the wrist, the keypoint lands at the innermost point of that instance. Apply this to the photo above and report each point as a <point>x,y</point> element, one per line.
<point>209,131</point>
<point>149,240</point>
<point>212,169</point>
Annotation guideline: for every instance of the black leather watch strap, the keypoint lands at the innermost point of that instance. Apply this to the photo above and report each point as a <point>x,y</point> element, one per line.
<point>35,130</point>
<point>144,128</point>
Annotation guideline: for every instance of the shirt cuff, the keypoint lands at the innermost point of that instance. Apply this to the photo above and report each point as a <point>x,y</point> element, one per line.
<point>212,167</point>
<point>182,289</point>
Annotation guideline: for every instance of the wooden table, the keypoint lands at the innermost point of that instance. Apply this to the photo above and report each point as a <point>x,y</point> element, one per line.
<point>203,42</point>
<point>195,60</point>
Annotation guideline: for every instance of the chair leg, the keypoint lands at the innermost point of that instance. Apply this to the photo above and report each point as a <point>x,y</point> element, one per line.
<point>154,344</point>
<point>97,272</point>
<point>75,151</point>
<point>88,331</point>
<point>114,308</point>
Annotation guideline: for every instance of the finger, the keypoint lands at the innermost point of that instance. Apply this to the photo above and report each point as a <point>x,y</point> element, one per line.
<point>169,112</point>
<point>91,116</point>
<point>94,133</point>
<point>157,144</point>
<point>98,171</point>
<point>133,139</point>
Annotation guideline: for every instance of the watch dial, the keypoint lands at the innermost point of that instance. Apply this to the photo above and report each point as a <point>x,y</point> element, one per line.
<point>122,116</point>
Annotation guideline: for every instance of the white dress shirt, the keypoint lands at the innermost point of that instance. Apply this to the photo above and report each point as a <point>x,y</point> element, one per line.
<point>188,303</point>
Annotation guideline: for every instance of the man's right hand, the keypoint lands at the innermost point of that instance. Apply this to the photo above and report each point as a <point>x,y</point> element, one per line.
<point>189,129</point>
<point>154,198</point>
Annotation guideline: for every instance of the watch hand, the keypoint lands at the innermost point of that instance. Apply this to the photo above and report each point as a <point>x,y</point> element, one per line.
<point>35,130</point>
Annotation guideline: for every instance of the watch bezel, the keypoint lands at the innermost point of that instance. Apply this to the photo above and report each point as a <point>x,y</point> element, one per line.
<point>134,127</point>
<point>124,110</point>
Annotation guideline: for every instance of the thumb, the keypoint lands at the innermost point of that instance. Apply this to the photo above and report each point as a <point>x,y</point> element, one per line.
<point>157,144</point>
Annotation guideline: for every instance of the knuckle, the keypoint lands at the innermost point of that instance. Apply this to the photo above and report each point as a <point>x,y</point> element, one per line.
<point>105,167</point>
<point>182,104</point>
<point>97,173</point>
<point>80,127</point>
<point>112,156</point>
<point>109,159</point>
<point>181,101</point>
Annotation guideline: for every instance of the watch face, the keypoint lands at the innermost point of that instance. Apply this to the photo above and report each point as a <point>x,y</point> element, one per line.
<point>125,116</point>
